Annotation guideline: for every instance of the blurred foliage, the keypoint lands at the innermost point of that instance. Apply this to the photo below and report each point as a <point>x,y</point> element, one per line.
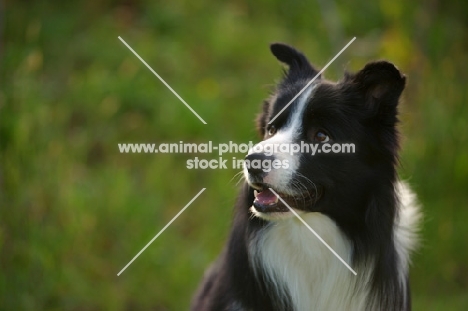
<point>74,211</point>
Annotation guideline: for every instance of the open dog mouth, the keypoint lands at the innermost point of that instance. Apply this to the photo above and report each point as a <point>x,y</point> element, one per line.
<point>267,202</point>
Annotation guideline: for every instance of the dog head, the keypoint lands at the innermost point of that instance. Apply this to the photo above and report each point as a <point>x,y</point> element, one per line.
<point>350,130</point>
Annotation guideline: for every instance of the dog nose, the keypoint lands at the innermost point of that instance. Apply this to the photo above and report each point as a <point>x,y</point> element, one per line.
<point>255,163</point>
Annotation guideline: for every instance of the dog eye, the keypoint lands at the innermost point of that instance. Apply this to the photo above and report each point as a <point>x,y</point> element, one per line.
<point>322,136</point>
<point>271,130</point>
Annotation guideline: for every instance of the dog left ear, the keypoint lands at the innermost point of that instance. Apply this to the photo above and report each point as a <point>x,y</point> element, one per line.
<point>381,83</point>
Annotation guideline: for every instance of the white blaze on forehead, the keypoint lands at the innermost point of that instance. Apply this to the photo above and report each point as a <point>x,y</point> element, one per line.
<point>292,128</point>
<point>281,179</point>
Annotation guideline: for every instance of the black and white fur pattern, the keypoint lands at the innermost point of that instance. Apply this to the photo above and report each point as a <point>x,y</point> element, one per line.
<point>355,202</point>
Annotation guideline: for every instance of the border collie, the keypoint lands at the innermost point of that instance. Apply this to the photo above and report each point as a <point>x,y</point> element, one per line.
<point>354,201</point>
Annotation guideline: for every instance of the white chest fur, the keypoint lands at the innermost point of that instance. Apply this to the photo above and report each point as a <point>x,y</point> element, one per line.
<point>296,261</point>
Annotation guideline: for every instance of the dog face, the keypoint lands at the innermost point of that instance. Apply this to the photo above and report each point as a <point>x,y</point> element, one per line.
<point>360,111</point>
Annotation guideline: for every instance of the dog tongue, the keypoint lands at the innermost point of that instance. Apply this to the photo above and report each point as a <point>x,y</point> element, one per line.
<point>266,197</point>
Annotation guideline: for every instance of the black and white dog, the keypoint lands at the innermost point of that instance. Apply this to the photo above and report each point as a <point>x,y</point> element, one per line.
<point>354,201</point>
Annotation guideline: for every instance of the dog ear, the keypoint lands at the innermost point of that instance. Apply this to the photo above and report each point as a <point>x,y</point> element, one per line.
<point>288,55</point>
<point>381,84</point>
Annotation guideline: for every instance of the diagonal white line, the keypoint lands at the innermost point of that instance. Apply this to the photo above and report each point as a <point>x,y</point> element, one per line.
<point>311,81</point>
<point>162,230</point>
<point>162,80</point>
<point>315,233</point>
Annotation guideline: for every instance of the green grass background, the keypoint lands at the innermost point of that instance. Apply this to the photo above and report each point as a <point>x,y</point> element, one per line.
<point>74,211</point>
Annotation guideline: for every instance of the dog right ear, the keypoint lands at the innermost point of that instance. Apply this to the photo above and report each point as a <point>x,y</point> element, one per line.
<point>295,60</point>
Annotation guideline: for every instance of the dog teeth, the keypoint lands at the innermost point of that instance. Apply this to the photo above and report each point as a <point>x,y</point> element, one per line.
<point>255,193</point>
